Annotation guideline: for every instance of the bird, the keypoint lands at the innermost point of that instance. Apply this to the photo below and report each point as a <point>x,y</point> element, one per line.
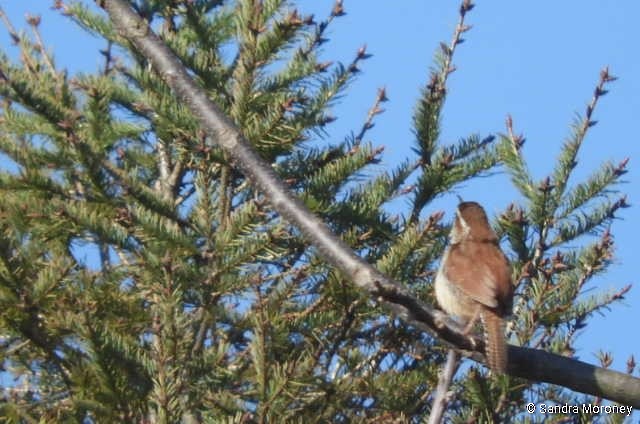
<point>474,281</point>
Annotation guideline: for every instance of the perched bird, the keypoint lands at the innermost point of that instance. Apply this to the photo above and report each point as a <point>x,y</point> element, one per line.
<point>474,280</point>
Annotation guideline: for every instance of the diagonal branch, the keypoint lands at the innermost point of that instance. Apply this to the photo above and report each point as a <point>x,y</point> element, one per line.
<point>532,364</point>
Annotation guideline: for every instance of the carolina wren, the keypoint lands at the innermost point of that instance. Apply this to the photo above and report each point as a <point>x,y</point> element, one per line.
<point>474,280</point>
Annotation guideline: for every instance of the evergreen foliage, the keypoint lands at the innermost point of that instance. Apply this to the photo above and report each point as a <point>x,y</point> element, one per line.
<point>204,305</point>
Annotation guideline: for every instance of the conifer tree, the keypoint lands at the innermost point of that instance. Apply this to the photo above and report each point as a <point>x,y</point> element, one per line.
<point>205,305</point>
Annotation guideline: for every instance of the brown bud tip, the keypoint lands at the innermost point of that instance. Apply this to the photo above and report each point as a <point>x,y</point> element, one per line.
<point>33,20</point>
<point>622,165</point>
<point>606,359</point>
<point>557,258</point>
<point>287,104</point>
<point>509,122</point>
<point>321,67</point>
<point>382,96</point>
<point>545,185</point>
<point>605,76</point>
<point>362,53</point>
<point>631,364</point>
<point>293,18</point>
<point>466,6</point>
<point>436,216</point>
<point>338,9</point>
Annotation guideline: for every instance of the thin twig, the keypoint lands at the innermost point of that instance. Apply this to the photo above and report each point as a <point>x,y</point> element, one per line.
<point>442,394</point>
<point>34,21</point>
<point>375,110</point>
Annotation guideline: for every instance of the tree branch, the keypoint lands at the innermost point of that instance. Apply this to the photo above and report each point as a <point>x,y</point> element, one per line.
<point>442,395</point>
<point>531,364</point>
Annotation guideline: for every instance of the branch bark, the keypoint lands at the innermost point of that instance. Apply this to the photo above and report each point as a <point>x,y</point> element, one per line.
<point>442,394</point>
<point>532,364</point>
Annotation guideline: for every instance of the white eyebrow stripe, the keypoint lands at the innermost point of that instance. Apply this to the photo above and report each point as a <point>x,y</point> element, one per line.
<point>465,226</point>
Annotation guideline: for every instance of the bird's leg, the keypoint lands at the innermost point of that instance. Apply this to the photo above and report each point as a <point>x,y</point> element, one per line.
<point>472,321</point>
<point>474,318</point>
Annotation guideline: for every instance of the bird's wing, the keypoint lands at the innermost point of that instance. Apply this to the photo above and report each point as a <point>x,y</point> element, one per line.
<point>482,280</point>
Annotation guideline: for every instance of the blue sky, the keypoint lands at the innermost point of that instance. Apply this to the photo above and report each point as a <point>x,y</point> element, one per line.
<point>538,61</point>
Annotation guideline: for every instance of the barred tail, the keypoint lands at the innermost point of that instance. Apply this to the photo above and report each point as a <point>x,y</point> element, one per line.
<point>494,340</point>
